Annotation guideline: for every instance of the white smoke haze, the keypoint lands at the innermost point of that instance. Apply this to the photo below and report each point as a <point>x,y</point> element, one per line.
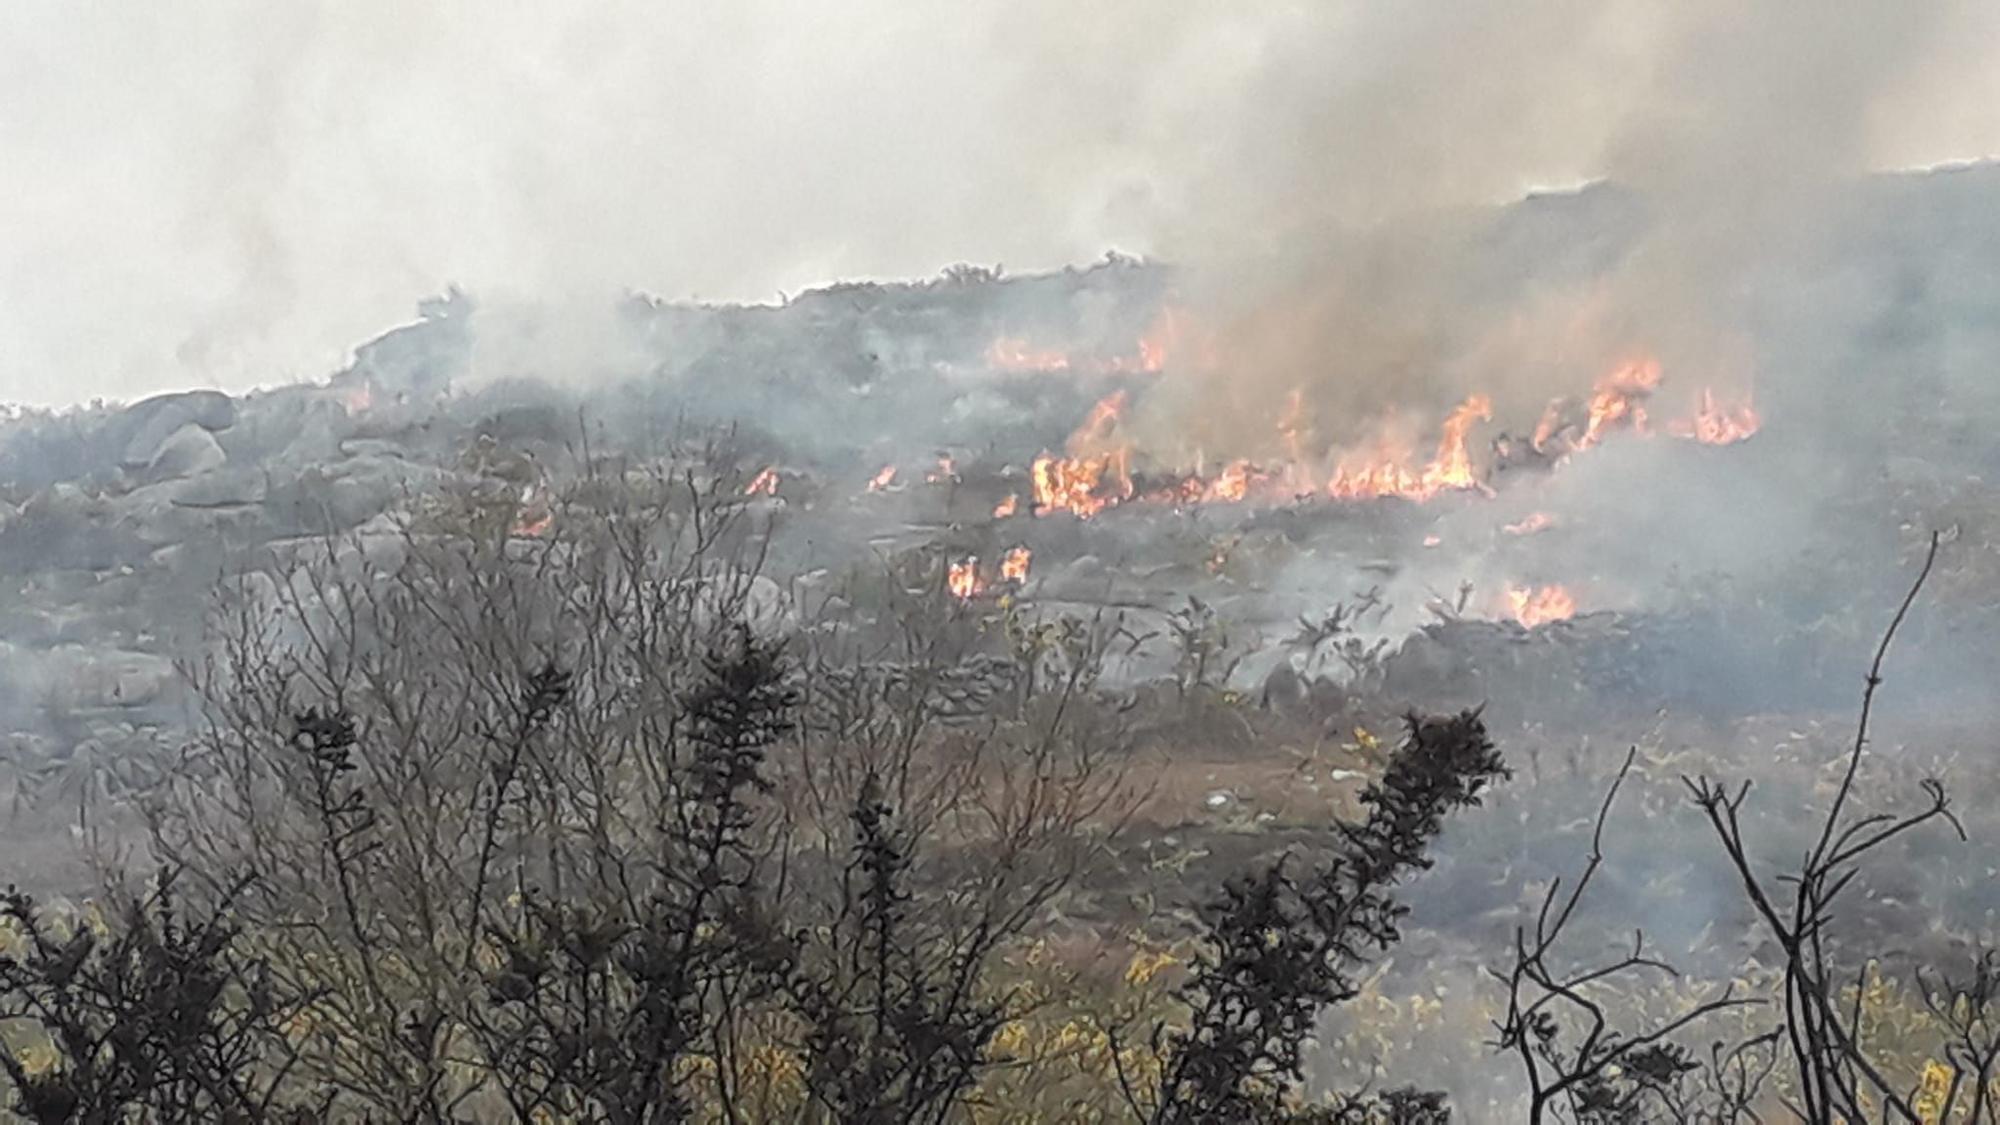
<point>1373,209</point>
<point>233,194</point>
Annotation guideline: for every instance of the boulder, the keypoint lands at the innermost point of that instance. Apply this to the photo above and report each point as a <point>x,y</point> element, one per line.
<point>148,425</point>
<point>189,451</point>
<point>91,680</point>
<point>232,488</point>
<point>418,360</point>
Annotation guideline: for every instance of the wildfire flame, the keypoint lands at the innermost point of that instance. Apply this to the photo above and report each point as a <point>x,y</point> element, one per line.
<point>534,517</point>
<point>1290,424</point>
<point>883,477</point>
<point>1531,524</point>
<point>1069,484</point>
<point>1162,339</point>
<point>1072,483</point>
<point>1006,507</point>
<point>1011,353</point>
<point>1450,469</point>
<point>1618,400</point>
<point>1535,606</point>
<point>1547,428</point>
<point>1232,484</point>
<point>1101,421</point>
<point>764,483</point>
<point>962,578</point>
<point>1095,471</point>
<point>1014,565</point>
<point>945,473</point>
<point>360,398</point>
<point>1085,483</point>
<point>1715,424</point>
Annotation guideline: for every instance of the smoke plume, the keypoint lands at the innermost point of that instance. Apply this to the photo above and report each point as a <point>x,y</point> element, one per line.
<point>233,194</point>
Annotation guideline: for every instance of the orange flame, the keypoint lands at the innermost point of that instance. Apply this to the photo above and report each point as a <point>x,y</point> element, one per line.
<point>534,517</point>
<point>1069,484</point>
<point>1073,483</point>
<point>1011,353</point>
<point>1290,424</point>
<point>1535,606</point>
<point>882,478</point>
<point>763,484</point>
<point>946,472</point>
<point>1618,399</point>
<point>1546,428</point>
<point>1014,565</point>
<point>962,578</point>
<point>1100,422</point>
<point>1150,354</point>
<point>1160,341</point>
<point>360,398</point>
<point>1450,469</point>
<point>1094,471</point>
<point>1714,424</point>
<point>1232,485</point>
<point>1006,507</point>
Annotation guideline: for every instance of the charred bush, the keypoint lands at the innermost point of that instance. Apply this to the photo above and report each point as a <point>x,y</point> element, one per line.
<point>595,1012</point>
<point>896,1027</point>
<point>566,828</point>
<point>1277,949</point>
<point>159,1017</point>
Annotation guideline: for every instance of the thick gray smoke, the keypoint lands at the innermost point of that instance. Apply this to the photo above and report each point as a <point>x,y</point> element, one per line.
<point>1337,228</point>
<point>233,194</point>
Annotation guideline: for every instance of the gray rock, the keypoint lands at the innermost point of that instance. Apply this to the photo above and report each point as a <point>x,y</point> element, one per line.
<point>187,452</point>
<point>150,423</point>
<point>93,680</point>
<point>228,488</point>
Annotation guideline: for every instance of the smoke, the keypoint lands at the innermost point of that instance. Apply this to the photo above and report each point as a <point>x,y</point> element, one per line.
<point>233,193</point>
<point>1345,244</point>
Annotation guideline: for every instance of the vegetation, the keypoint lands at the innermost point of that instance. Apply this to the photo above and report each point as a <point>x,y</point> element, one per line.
<point>582,826</point>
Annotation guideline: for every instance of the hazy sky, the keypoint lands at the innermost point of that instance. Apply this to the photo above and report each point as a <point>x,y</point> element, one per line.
<point>234,193</point>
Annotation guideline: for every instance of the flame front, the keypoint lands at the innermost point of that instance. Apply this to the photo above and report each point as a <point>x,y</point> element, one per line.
<point>1096,468</point>
<point>535,515</point>
<point>1069,484</point>
<point>1072,483</point>
<point>360,398</point>
<point>763,484</point>
<point>1450,469</point>
<point>1149,356</point>
<point>1715,424</point>
<point>1011,353</point>
<point>1006,507</point>
<point>1014,565</point>
<point>883,478</point>
<point>1618,400</point>
<point>962,578</point>
<point>1533,523</point>
<point>1535,606</point>
<point>1232,484</point>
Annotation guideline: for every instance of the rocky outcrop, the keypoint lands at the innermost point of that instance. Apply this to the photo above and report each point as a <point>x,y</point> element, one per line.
<point>189,451</point>
<point>149,428</point>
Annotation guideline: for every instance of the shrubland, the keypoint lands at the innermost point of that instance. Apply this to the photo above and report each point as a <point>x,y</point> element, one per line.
<point>600,824</point>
